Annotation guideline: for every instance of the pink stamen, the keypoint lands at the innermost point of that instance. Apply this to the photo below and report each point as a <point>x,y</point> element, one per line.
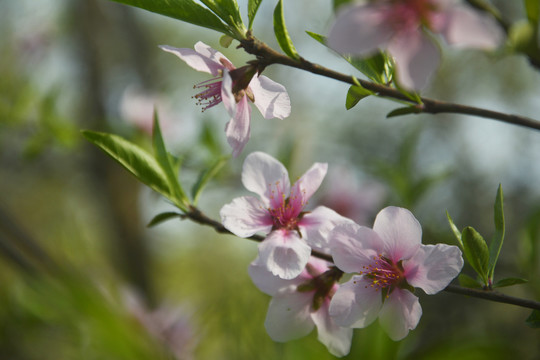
<point>284,211</point>
<point>211,95</point>
<point>382,274</point>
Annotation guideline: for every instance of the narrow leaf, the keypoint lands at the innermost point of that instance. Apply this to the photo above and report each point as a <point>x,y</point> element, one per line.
<point>355,94</point>
<point>227,10</point>
<point>532,8</point>
<point>468,282</point>
<point>455,230</point>
<point>185,10</point>
<point>253,6</point>
<point>318,37</point>
<point>374,67</point>
<point>509,282</point>
<point>205,176</point>
<point>134,159</point>
<point>159,218</point>
<point>498,237</point>
<point>403,111</point>
<point>534,319</point>
<point>476,251</point>
<point>282,35</point>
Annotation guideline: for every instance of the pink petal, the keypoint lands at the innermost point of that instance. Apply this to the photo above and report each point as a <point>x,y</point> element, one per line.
<point>207,60</point>
<point>246,216</point>
<point>354,246</point>
<point>304,187</point>
<point>316,225</point>
<point>284,254</point>
<point>237,129</point>
<point>227,95</point>
<point>263,174</point>
<point>400,313</point>
<point>360,30</point>
<point>269,283</point>
<point>336,338</point>
<point>288,315</point>
<point>271,98</point>
<point>467,28</point>
<point>416,58</point>
<point>355,304</point>
<point>400,232</point>
<point>433,267</point>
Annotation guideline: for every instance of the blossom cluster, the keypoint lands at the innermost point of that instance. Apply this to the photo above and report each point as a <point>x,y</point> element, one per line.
<point>387,261</point>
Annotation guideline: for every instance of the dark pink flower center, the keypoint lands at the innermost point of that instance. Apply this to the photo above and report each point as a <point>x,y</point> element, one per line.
<point>285,211</point>
<point>211,95</point>
<point>406,15</point>
<point>383,273</point>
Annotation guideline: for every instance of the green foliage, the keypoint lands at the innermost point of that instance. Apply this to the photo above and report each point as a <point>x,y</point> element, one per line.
<point>509,282</point>
<point>532,9</point>
<point>253,7</point>
<point>498,238</point>
<point>476,252</point>
<point>455,230</point>
<point>162,217</point>
<point>404,111</point>
<point>355,94</point>
<point>378,67</point>
<point>534,319</point>
<point>282,35</point>
<point>468,282</point>
<point>320,38</point>
<point>228,11</point>
<point>206,175</point>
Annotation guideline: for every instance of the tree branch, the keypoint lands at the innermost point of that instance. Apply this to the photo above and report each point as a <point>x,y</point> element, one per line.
<point>267,56</point>
<point>200,218</point>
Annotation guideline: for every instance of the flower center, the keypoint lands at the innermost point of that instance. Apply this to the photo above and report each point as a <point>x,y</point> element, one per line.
<point>383,274</point>
<point>405,15</point>
<point>285,211</point>
<point>211,95</point>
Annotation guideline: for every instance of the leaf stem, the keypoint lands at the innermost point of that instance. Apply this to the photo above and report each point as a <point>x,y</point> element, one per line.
<point>267,56</point>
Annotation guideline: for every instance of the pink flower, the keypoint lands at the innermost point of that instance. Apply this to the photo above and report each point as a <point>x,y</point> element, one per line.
<point>280,213</point>
<point>300,304</point>
<point>268,96</point>
<point>398,26</point>
<point>391,261</point>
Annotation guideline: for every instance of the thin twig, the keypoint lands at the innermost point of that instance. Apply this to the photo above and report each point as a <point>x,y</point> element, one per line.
<point>199,217</point>
<point>267,56</point>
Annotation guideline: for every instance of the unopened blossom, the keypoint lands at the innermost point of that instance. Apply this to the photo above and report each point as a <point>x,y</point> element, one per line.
<point>236,88</point>
<point>279,212</point>
<point>300,304</point>
<point>390,261</point>
<point>399,27</point>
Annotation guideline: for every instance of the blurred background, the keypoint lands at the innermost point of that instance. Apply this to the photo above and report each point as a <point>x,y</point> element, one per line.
<point>81,276</point>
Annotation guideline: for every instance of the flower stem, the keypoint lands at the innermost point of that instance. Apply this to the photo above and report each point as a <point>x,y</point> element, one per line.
<point>267,56</point>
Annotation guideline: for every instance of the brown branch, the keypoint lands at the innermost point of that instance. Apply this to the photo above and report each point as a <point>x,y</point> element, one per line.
<point>199,217</point>
<point>267,56</point>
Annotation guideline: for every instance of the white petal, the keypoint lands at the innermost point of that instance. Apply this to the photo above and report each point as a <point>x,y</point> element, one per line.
<point>355,304</point>
<point>336,338</point>
<point>288,315</point>
<point>416,58</point>
<point>207,60</point>
<point>353,246</point>
<point>261,172</point>
<point>400,313</point>
<point>284,253</point>
<point>268,282</point>
<point>227,96</point>
<point>308,183</point>
<point>246,216</point>
<point>271,98</point>
<point>360,30</point>
<point>468,28</point>
<point>433,267</point>
<point>316,225</point>
<point>400,231</point>
<point>237,129</point>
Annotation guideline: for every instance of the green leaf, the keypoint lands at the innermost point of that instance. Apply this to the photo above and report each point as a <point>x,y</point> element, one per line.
<point>159,218</point>
<point>509,282</point>
<point>338,3</point>
<point>455,230</point>
<point>134,159</point>
<point>404,111</point>
<point>282,35</point>
<point>225,41</point>
<point>229,12</point>
<point>532,8</point>
<point>185,10</point>
<point>376,67</point>
<point>468,282</point>
<point>168,165</point>
<point>355,94</point>
<point>534,319</point>
<point>476,251</point>
<point>498,237</point>
<point>253,6</point>
<point>206,175</point>
<point>318,37</point>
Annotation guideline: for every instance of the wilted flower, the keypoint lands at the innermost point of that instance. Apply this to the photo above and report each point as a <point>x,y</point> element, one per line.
<point>391,261</point>
<point>299,304</point>
<point>280,213</point>
<point>399,27</point>
<point>235,88</point>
